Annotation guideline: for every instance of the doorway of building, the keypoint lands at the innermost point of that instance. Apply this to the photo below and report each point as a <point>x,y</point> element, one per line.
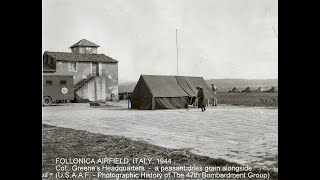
<point>95,69</point>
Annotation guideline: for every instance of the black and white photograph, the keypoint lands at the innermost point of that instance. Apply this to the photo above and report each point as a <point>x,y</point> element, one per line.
<point>159,89</point>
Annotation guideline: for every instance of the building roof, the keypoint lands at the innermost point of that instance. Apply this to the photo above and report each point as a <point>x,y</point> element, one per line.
<point>77,57</point>
<point>84,43</point>
<point>46,68</point>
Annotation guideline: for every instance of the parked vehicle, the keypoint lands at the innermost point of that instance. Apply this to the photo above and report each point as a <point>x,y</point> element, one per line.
<point>57,88</point>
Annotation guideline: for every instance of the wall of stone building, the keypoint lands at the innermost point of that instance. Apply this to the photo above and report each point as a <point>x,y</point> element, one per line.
<point>83,68</point>
<point>95,90</point>
<point>110,72</point>
<point>100,88</point>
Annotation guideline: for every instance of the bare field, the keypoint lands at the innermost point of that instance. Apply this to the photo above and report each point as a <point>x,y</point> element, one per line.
<point>248,99</point>
<point>65,142</point>
<point>245,135</point>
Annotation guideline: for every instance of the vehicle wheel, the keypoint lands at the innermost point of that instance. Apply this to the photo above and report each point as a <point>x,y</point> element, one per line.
<point>47,101</point>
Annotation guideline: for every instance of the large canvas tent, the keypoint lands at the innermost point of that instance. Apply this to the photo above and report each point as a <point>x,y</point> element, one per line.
<point>259,90</point>
<point>272,90</point>
<point>167,92</point>
<point>248,89</point>
<point>234,90</point>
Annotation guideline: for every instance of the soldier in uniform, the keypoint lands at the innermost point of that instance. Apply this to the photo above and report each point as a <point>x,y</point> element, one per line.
<point>201,99</point>
<point>214,89</point>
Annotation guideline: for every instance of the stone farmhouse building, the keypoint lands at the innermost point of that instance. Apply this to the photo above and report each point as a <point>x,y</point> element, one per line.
<point>95,75</point>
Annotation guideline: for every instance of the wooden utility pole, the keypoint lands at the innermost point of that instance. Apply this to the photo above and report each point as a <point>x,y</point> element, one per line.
<point>177,51</point>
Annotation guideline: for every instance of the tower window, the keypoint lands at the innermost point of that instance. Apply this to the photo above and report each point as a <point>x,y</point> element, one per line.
<point>88,50</point>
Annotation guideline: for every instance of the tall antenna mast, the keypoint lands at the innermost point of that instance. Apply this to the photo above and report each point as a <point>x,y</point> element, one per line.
<point>177,51</point>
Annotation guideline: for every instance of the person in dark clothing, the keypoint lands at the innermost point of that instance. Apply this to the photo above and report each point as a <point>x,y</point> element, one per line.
<point>201,99</point>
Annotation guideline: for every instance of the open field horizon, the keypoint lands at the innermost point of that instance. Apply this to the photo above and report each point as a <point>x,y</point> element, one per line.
<point>223,85</point>
<point>248,99</point>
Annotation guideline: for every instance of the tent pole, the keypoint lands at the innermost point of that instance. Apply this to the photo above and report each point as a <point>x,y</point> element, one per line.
<point>153,106</point>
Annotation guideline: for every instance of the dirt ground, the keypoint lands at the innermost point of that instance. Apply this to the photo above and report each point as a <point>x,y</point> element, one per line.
<point>249,99</point>
<point>245,135</point>
<point>65,142</point>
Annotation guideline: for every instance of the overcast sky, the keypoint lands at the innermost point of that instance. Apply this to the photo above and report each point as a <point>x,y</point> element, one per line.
<point>216,38</point>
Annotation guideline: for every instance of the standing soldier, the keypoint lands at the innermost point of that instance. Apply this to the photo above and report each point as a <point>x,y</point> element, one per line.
<point>201,99</point>
<point>214,89</point>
